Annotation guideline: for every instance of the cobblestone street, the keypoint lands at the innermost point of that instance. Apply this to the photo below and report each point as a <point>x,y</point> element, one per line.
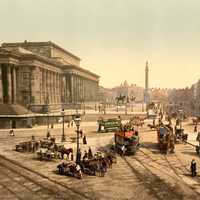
<point>146,175</point>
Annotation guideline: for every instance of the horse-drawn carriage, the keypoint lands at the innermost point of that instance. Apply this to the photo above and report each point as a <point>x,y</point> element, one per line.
<point>46,154</point>
<point>29,146</point>
<point>180,136</point>
<point>97,165</point>
<point>70,169</point>
<point>165,138</point>
<point>126,142</point>
<point>49,150</point>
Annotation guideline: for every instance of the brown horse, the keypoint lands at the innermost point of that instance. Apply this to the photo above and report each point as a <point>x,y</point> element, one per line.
<point>64,151</point>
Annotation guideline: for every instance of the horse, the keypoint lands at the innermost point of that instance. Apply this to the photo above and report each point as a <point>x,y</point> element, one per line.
<point>64,151</point>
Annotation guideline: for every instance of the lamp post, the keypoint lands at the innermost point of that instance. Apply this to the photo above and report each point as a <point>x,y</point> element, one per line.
<point>63,139</point>
<point>77,121</point>
<point>47,120</point>
<point>46,110</point>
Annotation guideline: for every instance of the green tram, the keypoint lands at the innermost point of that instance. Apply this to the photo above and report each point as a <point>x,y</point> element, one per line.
<point>109,125</point>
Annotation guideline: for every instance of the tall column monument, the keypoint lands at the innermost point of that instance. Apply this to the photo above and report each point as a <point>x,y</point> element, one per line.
<point>146,91</point>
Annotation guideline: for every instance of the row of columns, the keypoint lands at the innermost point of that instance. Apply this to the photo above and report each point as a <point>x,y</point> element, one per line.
<point>54,88</point>
<point>82,89</point>
<point>8,83</point>
<point>51,87</point>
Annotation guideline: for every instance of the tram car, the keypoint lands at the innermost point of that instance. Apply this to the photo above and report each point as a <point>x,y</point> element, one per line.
<point>109,125</point>
<point>127,139</point>
<point>165,138</point>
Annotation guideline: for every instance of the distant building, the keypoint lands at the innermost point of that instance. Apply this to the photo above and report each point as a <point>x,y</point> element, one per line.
<point>195,97</point>
<point>34,74</point>
<point>159,94</point>
<point>131,91</point>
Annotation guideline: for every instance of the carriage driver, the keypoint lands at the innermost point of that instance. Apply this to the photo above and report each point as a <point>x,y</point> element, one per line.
<point>123,150</point>
<point>78,169</point>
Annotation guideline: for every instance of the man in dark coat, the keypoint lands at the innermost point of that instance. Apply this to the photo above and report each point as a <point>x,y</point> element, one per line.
<point>90,155</point>
<point>84,140</point>
<point>193,168</point>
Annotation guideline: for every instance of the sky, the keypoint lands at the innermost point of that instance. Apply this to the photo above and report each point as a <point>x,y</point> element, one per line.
<point>115,38</point>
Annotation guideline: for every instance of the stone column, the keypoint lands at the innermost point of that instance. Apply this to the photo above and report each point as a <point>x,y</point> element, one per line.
<point>53,87</point>
<point>57,90</point>
<point>72,88</point>
<point>76,89</point>
<point>60,90</point>
<point>50,87</point>
<point>47,87</point>
<point>9,79</point>
<point>84,89</point>
<point>79,89</point>
<point>43,86</point>
<point>14,88</point>
<point>1,88</point>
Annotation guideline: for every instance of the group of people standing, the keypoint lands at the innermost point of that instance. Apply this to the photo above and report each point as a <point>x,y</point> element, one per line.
<point>87,155</point>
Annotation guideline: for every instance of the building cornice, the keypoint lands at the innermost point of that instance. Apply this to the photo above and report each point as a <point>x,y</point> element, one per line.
<point>49,43</point>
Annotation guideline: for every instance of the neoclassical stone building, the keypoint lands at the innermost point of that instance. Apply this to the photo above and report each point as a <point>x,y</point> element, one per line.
<point>36,74</point>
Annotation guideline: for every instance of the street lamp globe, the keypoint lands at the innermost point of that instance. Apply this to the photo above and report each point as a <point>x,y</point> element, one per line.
<point>77,120</point>
<point>62,112</point>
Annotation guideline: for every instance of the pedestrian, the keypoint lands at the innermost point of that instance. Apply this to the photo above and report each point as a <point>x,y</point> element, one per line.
<point>198,138</point>
<point>78,169</point>
<point>195,129</point>
<point>33,138</point>
<point>48,134</point>
<point>193,168</point>
<point>81,133</point>
<point>72,156</point>
<point>12,132</point>
<point>85,157</point>
<point>68,124</point>
<point>84,140</point>
<point>90,155</point>
<point>72,123</point>
<point>154,124</point>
